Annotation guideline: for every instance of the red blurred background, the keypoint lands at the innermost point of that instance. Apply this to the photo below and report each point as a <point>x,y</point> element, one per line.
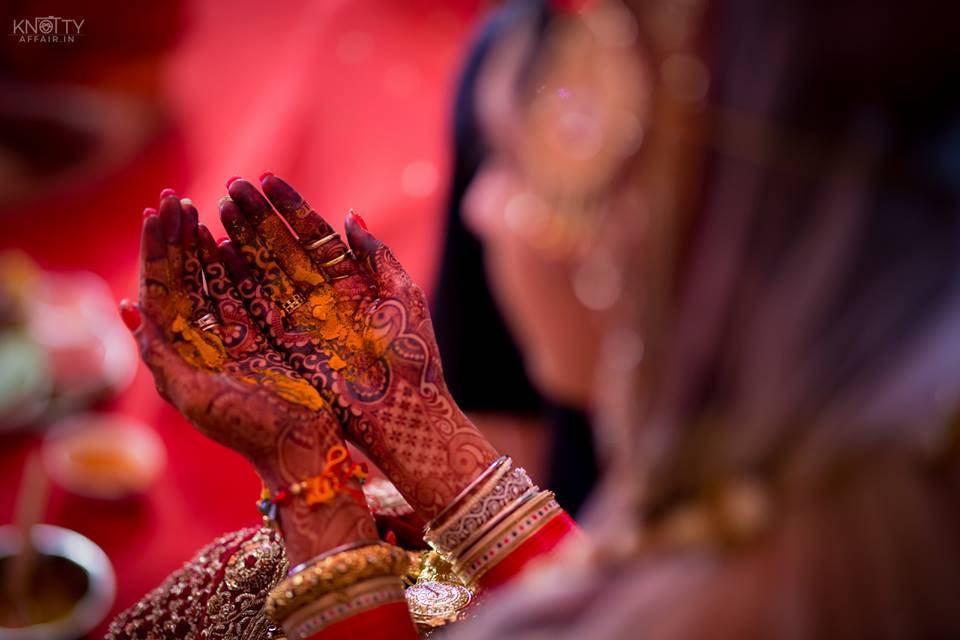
<point>349,101</point>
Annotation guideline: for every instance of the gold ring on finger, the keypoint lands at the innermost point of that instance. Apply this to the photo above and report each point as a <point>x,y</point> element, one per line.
<point>316,244</point>
<point>206,322</point>
<point>292,303</point>
<point>340,258</point>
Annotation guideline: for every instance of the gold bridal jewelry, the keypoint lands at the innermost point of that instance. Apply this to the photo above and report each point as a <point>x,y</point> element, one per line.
<point>292,303</point>
<point>316,244</point>
<point>332,573</point>
<point>340,258</point>
<point>206,322</point>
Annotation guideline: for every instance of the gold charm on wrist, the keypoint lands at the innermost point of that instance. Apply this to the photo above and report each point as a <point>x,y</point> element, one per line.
<point>438,597</point>
<point>435,604</point>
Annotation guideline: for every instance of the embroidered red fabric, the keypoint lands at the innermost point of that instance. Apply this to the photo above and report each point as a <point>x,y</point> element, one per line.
<point>219,593</point>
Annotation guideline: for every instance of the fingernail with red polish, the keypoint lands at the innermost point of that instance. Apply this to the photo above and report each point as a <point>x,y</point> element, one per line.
<point>166,193</point>
<point>360,221</point>
<point>222,239</point>
<point>232,180</point>
<point>130,315</point>
<point>265,175</point>
<point>149,211</point>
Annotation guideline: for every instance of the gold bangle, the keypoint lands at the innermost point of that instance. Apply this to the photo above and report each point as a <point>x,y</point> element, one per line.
<point>333,607</point>
<point>334,573</point>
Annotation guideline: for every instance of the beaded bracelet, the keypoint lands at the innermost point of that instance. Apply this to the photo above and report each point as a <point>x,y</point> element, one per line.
<point>319,489</point>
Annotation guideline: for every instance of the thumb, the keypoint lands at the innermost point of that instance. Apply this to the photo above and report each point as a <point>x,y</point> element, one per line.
<point>144,330</point>
<point>156,352</point>
<point>376,259</point>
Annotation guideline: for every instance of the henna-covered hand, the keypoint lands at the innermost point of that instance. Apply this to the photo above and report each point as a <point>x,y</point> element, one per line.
<point>358,329</point>
<point>229,381</point>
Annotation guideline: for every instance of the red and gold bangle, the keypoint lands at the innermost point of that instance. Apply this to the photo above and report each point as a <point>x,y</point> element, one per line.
<point>333,574</point>
<point>319,489</point>
<point>497,497</point>
<point>497,515</point>
<point>500,540</point>
<point>333,607</point>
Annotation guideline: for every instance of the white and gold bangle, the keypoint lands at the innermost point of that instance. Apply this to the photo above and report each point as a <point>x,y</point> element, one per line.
<point>455,504</point>
<point>506,512</point>
<point>504,538</point>
<point>494,501</point>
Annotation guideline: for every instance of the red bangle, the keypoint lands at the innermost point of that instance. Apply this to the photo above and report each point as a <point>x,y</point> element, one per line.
<point>387,622</point>
<point>539,544</point>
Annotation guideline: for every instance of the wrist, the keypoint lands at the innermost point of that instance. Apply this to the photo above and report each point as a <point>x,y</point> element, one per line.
<point>469,455</point>
<point>425,445</point>
<point>309,531</point>
<point>320,509</point>
<point>498,514</point>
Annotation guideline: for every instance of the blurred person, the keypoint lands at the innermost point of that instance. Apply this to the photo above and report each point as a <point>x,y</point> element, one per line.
<point>548,436</point>
<point>771,276</point>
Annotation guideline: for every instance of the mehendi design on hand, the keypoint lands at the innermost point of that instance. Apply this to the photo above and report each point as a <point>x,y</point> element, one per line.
<point>229,380</point>
<point>363,339</point>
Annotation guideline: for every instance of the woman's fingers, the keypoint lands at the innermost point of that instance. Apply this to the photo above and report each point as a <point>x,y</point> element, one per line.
<point>376,259</point>
<point>258,303</point>
<point>263,267</point>
<point>156,288</point>
<point>171,215</point>
<point>327,250</point>
<point>240,335</point>
<point>202,309</point>
<point>274,234</point>
<point>173,376</point>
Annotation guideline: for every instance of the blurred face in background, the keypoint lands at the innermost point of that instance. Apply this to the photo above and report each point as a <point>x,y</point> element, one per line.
<point>561,113</point>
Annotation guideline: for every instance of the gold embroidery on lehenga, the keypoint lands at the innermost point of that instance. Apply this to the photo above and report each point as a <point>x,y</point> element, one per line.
<point>218,595</point>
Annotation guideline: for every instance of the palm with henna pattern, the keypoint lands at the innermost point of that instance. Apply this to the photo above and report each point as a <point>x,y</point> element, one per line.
<point>358,329</point>
<point>230,382</point>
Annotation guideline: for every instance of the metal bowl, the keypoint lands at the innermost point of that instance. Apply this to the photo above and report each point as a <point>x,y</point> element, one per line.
<point>92,607</point>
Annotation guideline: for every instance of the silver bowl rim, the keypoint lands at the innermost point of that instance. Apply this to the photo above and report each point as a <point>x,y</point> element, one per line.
<point>93,607</point>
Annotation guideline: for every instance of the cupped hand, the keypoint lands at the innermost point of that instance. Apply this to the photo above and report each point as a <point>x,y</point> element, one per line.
<point>352,323</point>
<point>211,361</point>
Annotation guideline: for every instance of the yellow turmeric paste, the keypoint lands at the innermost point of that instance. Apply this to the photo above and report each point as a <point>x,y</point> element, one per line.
<point>202,349</point>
